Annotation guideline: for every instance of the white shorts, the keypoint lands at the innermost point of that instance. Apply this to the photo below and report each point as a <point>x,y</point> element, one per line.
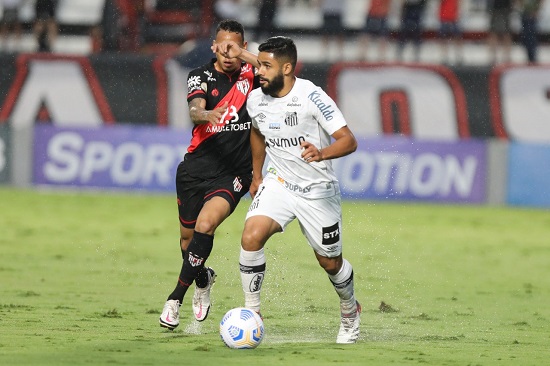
<point>320,219</point>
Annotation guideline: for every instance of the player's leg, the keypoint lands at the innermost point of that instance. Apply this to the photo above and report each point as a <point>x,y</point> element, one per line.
<point>220,200</point>
<point>252,262</point>
<point>321,223</point>
<point>268,214</point>
<point>213,213</point>
<point>190,195</point>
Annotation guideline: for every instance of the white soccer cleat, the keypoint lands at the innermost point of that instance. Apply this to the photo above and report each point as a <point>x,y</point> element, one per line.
<point>349,327</point>
<point>170,317</point>
<point>201,297</point>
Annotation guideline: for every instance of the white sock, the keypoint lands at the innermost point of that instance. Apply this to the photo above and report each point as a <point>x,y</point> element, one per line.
<point>252,267</point>
<point>343,284</point>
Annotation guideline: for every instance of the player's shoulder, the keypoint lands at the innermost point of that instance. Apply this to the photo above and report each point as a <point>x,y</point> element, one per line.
<point>205,70</point>
<point>305,87</point>
<point>255,96</point>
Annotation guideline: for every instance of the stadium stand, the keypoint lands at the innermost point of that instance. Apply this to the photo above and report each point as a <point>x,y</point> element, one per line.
<point>163,26</point>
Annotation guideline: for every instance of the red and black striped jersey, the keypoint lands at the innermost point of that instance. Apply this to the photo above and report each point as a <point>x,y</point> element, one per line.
<point>223,148</point>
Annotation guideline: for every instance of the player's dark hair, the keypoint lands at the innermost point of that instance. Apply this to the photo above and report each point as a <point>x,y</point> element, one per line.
<point>281,47</point>
<point>230,25</point>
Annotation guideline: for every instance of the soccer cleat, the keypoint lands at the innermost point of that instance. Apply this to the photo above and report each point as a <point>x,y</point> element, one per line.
<point>201,297</point>
<point>349,327</point>
<point>170,317</point>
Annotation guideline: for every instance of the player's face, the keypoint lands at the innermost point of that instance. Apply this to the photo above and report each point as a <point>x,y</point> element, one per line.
<point>228,65</point>
<point>270,74</point>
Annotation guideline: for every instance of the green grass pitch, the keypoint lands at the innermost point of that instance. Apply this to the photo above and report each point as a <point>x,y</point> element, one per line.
<point>84,276</point>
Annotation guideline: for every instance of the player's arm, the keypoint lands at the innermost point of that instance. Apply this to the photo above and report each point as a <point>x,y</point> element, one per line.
<point>257,146</point>
<point>231,49</point>
<point>344,144</point>
<point>200,115</point>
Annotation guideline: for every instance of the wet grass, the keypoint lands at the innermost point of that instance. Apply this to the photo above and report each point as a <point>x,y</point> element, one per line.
<point>84,277</point>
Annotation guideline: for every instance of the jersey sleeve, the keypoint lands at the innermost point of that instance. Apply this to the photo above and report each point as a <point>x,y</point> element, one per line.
<point>197,86</point>
<point>325,111</point>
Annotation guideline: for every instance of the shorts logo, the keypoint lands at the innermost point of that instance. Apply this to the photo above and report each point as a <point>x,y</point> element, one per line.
<point>331,234</point>
<point>291,119</point>
<point>237,185</point>
<point>194,260</point>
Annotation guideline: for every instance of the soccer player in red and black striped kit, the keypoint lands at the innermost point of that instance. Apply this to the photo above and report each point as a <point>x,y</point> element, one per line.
<point>216,172</point>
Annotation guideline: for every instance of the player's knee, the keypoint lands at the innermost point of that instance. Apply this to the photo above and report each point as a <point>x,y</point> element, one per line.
<point>250,240</point>
<point>206,226</point>
<point>331,265</point>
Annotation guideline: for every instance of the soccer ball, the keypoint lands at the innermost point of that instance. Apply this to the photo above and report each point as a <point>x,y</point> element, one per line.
<point>242,328</point>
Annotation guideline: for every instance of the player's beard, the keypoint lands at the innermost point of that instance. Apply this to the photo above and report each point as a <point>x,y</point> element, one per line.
<point>275,85</point>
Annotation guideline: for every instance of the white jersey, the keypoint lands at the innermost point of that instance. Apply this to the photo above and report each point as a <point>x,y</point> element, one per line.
<point>306,113</point>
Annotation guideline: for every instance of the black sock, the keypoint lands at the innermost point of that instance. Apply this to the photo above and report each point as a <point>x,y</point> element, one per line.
<point>193,263</point>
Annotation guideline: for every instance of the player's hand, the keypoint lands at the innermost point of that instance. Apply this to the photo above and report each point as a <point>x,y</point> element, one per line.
<point>215,115</point>
<point>228,49</point>
<point>310,152</point>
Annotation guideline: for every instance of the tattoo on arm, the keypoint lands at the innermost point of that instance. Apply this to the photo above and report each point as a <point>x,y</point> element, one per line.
<point>197,111</point>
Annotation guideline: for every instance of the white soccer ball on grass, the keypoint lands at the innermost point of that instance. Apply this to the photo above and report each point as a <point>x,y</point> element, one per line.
<point>242,328</point>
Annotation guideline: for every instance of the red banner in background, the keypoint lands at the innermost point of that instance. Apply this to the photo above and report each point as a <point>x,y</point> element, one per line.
<point>422,101</point>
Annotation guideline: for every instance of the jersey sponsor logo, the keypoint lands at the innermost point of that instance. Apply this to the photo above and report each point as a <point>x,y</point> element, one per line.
<point>326,109</point>
<point>293,187</point>
<point>228,127</point>
<point>291,119</point>
<point>209,76</point>
<point>331,234</point>
<point>215,92</point>
<point>293,105</point>
<point>274,126</point>
<point>284,142</point>
<point>263,104</point>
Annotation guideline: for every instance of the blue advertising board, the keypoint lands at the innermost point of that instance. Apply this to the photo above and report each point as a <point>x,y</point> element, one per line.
<point>529,174</point>
<point>146,158</point>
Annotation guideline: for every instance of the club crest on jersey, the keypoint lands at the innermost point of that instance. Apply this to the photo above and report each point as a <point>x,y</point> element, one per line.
<point>237,186</point>
<point>243,86</point>
<point>291,119</point>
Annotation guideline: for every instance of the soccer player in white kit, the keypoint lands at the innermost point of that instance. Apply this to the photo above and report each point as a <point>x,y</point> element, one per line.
<point>293,121</point>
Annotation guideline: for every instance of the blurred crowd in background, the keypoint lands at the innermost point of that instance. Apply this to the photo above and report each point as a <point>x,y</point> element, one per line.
<point>373,27</point>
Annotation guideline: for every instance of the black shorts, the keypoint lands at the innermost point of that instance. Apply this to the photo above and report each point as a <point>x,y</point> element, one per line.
<point>193,193</point>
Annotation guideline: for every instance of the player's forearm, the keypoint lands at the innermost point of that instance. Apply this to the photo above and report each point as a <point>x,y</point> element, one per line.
<point>199,115</point>
<point>343,146</point>
<point>249,57</point>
